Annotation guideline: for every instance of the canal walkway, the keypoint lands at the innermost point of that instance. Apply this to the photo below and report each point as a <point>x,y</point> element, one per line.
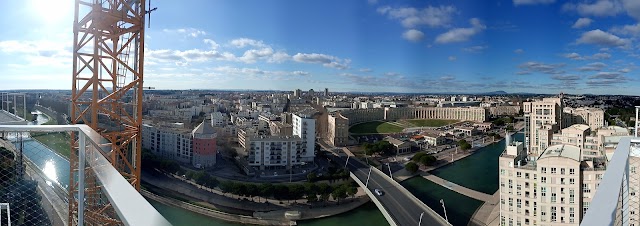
<point>488,213</point>
<point>457,188</point>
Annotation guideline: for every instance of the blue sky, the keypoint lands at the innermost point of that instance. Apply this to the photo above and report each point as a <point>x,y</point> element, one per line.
<point>541,46</point>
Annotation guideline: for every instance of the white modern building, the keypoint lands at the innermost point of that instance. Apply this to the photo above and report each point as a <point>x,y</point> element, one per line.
<point>304,126</point>
<point>173,141</point>
<point>274,152</point>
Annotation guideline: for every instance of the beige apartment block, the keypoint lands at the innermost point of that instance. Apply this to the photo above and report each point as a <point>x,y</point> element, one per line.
<point>553,189</point>
<point>542,119</point>
<point>338,130</point>
<point>593,117</point>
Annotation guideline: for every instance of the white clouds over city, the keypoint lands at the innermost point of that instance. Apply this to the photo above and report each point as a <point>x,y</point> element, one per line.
<point>461,34</point>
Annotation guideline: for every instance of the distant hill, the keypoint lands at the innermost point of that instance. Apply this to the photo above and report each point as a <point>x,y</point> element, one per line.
<point>495,93</point>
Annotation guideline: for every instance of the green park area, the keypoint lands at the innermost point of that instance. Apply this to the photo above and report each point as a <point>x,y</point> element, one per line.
<point>58,141</point>
<point>431,122</point>
<point>375,127</point>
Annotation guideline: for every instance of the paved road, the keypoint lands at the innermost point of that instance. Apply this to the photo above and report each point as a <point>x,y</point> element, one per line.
<point>402,207</point>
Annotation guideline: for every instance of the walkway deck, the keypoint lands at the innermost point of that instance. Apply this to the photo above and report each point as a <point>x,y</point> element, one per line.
<point>457,188</point>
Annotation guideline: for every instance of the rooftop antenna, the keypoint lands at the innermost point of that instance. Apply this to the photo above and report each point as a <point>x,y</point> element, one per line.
<point>148,12</point>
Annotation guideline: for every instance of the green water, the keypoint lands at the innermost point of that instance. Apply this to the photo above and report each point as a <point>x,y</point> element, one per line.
<point>368,214</point>
<point>460,208</point>
<point>478,171</point>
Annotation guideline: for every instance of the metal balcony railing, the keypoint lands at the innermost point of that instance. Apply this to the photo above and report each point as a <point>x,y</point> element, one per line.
<point>34,180</point>
<point>616,201</point>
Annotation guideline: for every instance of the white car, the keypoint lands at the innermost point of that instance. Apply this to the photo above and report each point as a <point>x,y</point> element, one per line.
<point>378,192</point>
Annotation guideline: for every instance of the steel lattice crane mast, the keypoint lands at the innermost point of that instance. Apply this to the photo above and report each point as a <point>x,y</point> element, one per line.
<point>108,59</point>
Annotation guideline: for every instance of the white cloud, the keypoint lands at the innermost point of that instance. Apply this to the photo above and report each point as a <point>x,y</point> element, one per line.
<point>608,75</point>
<point>252,55</point>
<point>244,42</point>
<point>601,56</point>
<point>532,2</point>
<point>533,66</point>
<point>256,73</point>
<point>573,56</point>
<point>599,37</point>
<point>597,66</point>
<point>565,77</point>
<point>365,70</point>
<point>476,49</point>
<point>38,53</point>
<point>600,8</point>
<point>632,7</point>
<point>461,34</point>
<point>191,32</point>
<point>582,22</point>
<point>452,58</point>
<point>447,78</point>
<point>518,51</point>
<point>325,60</point>
<point>211,43</point>
<point>413,35</point>
<point>279,57</point>
<point>627,30</point>
<point>181,57</point>
<point>412,17</point>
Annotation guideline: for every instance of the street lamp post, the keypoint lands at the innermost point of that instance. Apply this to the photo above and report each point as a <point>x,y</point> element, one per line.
<point>390,175</point>
<point>420,221</point>
<point>346,162</point>
<point>368,176</point>
<point>445,210</point>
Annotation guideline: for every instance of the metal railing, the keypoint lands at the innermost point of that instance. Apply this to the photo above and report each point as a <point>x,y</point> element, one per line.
<point>101,194</point>
<point>6,218</point>
<point>616,201</point>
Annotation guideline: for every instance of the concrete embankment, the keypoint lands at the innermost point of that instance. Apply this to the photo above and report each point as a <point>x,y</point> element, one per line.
<point>273,209</point>
<point>214,213</point>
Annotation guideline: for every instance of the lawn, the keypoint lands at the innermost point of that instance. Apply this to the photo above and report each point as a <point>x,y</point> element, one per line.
<point>59,142</point>
<point>29,115</point>
<point>375,127</point>
<point>431,122</point>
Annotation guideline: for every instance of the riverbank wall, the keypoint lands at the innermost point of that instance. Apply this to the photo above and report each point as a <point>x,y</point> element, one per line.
<point>214,213</point>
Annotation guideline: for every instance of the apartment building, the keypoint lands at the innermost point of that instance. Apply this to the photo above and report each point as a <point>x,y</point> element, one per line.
<point>275,152</point>
<point>556,187</point>
<point>174,141</point>
<point>337,129</point>
<point>169,140</point>
<point>218,119</point>
<point>553,189</point>
<point>542,119</point>
<point>476,114</point>
<point>593,117</point>
<point>304,126</point>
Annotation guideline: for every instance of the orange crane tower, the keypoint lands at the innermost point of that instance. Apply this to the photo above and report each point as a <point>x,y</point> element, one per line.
<point>108,59</point>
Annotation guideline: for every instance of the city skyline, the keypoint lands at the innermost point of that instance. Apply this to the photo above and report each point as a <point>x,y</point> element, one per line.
<point>537,46</point>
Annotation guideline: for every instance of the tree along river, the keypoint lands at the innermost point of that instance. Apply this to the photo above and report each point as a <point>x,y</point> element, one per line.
<point>465,172</point>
